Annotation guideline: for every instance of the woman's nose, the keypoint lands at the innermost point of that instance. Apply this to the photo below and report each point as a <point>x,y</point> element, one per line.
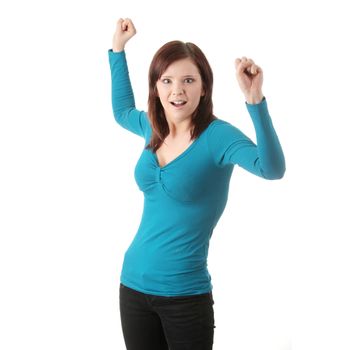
<point>177,91</point>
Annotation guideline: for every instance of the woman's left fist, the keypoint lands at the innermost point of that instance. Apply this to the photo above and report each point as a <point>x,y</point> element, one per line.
<point>250,79</point>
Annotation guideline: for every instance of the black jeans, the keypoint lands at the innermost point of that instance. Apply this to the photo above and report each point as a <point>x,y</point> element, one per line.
<point>152,322</point>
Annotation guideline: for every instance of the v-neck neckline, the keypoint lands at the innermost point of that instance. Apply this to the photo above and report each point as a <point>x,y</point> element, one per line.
<point>178,157</point>
<point>187,150</point>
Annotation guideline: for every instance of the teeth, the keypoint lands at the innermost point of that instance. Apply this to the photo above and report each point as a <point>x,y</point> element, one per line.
<point>179,102</point>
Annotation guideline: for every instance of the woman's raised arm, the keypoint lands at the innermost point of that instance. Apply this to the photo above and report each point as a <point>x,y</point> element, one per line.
<point>123,101</point>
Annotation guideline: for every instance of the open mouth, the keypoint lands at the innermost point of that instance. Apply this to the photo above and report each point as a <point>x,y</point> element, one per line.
<point>178,103</point>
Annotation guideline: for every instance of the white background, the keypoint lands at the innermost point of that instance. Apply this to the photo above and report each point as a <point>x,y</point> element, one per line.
<point>69,205</point>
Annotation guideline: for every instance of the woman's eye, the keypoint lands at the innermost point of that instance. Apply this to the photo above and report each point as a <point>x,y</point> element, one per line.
<point>166,81</point>
<point>189,80</point>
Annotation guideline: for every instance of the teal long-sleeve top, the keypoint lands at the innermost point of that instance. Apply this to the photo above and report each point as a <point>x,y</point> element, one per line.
<point>184,199</point>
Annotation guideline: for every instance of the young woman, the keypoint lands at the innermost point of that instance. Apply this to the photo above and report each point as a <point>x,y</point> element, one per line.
<point>184,172</point>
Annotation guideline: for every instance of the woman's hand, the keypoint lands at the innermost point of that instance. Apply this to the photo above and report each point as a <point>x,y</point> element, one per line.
<point>125,30</point>
<point>250,79</point>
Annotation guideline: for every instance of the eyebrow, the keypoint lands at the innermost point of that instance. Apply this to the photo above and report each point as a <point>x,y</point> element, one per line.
<point>184,76</point>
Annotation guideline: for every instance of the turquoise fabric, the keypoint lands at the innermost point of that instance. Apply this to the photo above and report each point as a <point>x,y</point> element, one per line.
<point>184,199</point>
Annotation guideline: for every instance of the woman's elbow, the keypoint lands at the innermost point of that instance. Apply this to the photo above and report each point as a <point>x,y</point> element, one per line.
<point>275,174</point>
<point>121,115</point>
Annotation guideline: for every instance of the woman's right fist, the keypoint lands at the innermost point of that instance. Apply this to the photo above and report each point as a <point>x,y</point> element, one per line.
<point>124,31</point>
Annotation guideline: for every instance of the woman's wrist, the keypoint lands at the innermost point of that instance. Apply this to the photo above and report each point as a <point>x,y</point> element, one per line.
<point>254,99</point>
<point>118,46</point>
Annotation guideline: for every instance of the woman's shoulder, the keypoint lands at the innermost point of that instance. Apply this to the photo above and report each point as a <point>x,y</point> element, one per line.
<point>221,124</point>
<point>222,129</point>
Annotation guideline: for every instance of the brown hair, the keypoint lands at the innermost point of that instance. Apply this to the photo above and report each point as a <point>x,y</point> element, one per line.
<point>203,116</point>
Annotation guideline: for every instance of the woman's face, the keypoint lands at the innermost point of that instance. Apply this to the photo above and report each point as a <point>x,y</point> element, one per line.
<point>180,89</point>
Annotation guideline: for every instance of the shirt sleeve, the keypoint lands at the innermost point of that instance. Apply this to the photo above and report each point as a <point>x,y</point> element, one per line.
<point>229,146</point>
<point>123,102</point>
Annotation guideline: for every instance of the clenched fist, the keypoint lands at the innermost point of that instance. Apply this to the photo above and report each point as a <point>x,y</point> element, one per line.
<point>250,79</point>
<point>124,31</point>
